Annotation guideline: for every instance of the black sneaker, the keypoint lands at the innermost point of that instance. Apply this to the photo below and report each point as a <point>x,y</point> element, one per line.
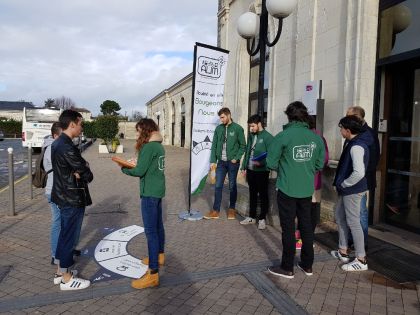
<point>76,252</point>
<point>279,271</point>
<point>307,271</point>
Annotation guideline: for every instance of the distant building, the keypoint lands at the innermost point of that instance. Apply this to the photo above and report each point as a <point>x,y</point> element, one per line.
<point>13,110</point>
<point>171,110</point>
<point>86,114</point>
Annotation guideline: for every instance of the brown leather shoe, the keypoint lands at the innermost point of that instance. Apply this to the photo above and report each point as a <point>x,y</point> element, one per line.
<point>212,214</point>
<point>231,215</point>
<point>161,259</point>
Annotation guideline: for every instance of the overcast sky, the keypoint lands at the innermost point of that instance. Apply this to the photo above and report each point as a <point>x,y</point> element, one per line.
<point>93,50</point>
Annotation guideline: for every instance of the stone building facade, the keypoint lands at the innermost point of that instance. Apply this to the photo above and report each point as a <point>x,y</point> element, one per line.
<point>171,110</point>
<point>366,53</point>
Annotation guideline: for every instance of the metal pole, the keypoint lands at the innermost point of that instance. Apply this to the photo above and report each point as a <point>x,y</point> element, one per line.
<point>11,183</point>
<point>30,171</point>
<point>263,35</point>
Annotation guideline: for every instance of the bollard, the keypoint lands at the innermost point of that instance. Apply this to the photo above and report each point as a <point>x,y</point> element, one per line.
<point>11,183</point>
<point>30,171</point>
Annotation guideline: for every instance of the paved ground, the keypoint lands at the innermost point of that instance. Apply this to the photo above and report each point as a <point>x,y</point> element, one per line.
<point>212,267</point>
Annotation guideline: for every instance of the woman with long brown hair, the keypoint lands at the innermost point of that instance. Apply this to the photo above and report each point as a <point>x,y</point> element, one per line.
<point>150,168</point>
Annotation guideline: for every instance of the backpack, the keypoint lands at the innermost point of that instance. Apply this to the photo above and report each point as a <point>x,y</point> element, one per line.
<point>39,177</point>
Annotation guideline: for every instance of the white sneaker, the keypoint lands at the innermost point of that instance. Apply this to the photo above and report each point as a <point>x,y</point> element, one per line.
<point>58,278</point>
<point>338,255</point>
<point>355,265</point>
<point>75,284</point>
<point>261,224</point>
<point>248,220</point>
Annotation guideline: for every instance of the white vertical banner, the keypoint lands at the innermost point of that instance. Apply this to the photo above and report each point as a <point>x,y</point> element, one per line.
<point>207,99</point>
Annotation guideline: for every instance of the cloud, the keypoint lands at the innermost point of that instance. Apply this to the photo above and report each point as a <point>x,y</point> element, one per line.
<point>90,51</point>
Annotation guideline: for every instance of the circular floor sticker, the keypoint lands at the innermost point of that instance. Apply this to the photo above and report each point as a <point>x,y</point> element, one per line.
<point>111,253</point>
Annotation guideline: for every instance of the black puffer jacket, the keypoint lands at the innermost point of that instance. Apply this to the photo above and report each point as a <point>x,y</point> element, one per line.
<point>67,191</point>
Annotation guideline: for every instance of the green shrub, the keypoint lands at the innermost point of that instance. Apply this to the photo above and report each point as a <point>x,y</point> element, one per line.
<point>89,129</point>
<point>11,127</point>
<point>106,127</point>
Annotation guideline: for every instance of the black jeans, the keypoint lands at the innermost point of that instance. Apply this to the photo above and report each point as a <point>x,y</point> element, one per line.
<point>289,208</point>
<point>258,186</point>
<point>315,215</point>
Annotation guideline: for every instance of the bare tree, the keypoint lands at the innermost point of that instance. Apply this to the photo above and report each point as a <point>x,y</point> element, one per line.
<point>137,115</point>
<point>64,102</point>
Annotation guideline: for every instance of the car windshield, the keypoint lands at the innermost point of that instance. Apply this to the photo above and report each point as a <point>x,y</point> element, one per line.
<point>42,115</point>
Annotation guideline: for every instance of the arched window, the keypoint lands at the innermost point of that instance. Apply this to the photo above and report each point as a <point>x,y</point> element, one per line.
<point>182,105</point>
<point>173,112</point>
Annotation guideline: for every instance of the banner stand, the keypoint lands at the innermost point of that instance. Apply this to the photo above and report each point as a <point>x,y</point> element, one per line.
<point>191,215</point>
<point>209,70</point>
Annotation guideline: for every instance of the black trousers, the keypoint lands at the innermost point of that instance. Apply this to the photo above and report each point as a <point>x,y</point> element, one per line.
<point>258,186</point>
<point>289,208</point>
<point>315,215</point>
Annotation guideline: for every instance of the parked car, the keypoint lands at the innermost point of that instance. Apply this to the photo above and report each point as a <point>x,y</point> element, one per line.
<point>1,135</point>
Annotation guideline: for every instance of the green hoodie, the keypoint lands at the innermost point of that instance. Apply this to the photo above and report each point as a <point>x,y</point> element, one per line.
<point>264,139</point>
<point>235,143</point>
<point>296,154</point>
<point>150,168</point>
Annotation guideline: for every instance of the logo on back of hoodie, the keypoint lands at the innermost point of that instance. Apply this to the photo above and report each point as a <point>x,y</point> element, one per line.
<point>303,153</point>
<point>161,163</point>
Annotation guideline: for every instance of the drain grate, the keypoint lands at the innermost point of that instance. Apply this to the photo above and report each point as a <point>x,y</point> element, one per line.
<point>389,260</point>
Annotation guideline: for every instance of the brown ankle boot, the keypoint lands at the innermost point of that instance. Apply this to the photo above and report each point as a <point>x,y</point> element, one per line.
<point>231,214</point>
<point>161,259</point>
<point>149,280</point>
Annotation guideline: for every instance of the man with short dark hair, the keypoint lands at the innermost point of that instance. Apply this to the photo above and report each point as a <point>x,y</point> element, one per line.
<point>374,156</point>
<point>351,185</point>
<point>70,193</point>
<point>296,154</point>
<point>227,148</point>
<point>254,167</point>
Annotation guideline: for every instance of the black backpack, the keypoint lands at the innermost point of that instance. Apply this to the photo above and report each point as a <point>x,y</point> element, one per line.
<point>39,177</point>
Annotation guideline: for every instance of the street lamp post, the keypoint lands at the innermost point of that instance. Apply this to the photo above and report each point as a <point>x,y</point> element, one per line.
<point>249,27</point>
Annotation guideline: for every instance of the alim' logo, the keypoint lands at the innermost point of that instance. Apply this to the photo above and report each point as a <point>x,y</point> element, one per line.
<point>210,67</point>
<point>303,153</point>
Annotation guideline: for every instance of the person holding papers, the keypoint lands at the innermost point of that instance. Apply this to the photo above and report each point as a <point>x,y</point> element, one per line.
<point>255,169</point>
<point>150,168</point>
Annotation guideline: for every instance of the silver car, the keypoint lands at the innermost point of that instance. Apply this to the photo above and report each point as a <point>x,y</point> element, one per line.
<point>1,135</point>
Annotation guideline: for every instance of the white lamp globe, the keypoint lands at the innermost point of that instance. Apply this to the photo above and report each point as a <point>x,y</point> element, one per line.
<point>248,25</point>
<point>402,18</point>
<point>280,8</point>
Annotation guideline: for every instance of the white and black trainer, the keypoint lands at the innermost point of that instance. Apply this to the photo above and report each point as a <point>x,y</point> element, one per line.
<point>343,257</point>
<point>355,265</point>
<point>58,278</point>
<point>247,221</point>
<point>74,284</point>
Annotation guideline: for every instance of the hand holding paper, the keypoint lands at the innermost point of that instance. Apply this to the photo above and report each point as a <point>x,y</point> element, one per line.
<point>123,163</point>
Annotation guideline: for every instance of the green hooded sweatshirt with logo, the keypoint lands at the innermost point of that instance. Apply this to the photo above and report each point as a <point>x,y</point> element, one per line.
<point>296,154</point>
<point>151,170</point>
<point>264,140</point>
<point>235,142</point>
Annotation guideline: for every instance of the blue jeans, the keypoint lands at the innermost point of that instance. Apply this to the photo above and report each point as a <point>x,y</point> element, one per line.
<point>364,220</point>
<point>223,168</point>
<point>56,226</point>
<point>71,219</point>
<point>151,211</point>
